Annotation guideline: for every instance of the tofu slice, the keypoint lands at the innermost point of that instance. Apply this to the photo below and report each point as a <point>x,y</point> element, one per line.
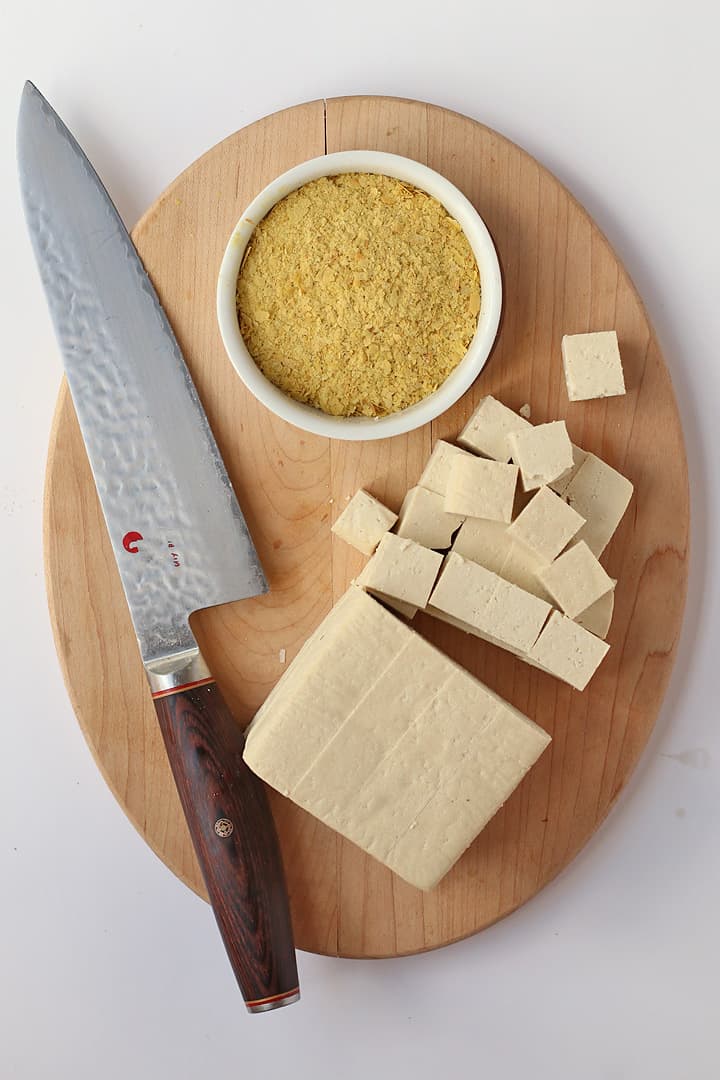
<point>364,522</point>
<point>601,495</point>
<point>424,520</point>
<point>576,579</point>
<point>488,603</point>
<point>592,365</point>
<point>481,488</point>
<point>598,617</point>
<point>383,738</point>
<point>560,485</point>
<point>546,525</point>
<point>487,429</point>
<point>401,570</point>
<point>543,453</point>
<point>568,651</point>
<point>436,473</point>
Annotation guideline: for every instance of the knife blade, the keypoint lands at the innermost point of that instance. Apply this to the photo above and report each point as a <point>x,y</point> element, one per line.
<point>178,534</point>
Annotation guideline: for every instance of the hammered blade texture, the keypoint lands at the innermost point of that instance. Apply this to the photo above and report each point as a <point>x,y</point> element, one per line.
<point>177,531</point>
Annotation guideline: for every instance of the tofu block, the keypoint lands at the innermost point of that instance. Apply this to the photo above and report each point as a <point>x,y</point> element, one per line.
<point>560,485</point>
<point>598,617</point>
<point>481,488</point>
<point>487,429</point>
<point>424,520</point>
<point>383,738</point>
<point>546,525</point>
<point>576,579</point>
<point>593,368</point>
<point>402,570</point>
<point>568,651</point>
<point>436,473</point>
<point>488,543</point>
<point>363,522</point>
<point>476,596</point>
<point>601,495</point>
<point>543,453</point>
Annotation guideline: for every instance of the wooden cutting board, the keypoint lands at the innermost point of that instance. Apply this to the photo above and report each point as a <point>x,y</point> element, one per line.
<point>560,276</point>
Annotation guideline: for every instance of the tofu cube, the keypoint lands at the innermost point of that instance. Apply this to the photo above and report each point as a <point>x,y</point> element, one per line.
<point>598,617</point>
<point>481,488</point>
<point>593,368</point>
<point>484,542</point>
<point>384,739</point>
<point>522,567</point>
<point>546,525</point>
<point>424,520</point>
<point>436,473</point>
<point>483,600</point>
<point>543,453</point>
<point>560,485</point>
<point>402,570</point>
<point>568,651</point>
<point>601,495</point>
<point>576,579</point>
<point>363,522</point>
<point>487,429</point>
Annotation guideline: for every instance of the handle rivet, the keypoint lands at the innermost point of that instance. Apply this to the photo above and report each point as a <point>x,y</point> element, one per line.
<point>224,827</point>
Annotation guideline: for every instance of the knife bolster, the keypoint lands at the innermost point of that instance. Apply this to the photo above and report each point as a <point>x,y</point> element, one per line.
<point>181,671</point>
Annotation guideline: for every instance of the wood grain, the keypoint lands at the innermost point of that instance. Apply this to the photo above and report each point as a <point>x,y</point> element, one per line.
<point>560,276</point>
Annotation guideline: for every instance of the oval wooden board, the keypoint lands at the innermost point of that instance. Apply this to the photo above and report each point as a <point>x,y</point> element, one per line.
<point>560,277</point>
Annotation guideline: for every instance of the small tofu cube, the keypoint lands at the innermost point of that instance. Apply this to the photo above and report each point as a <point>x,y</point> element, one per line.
<point>522,567</point>
<point>568,651</point>
<point>598,617</point>
<point>423,519</point>
<point>487,429</point>
<point>402,570</point>
<point>593,368</point>
<point>483,542</point>
<point>576,579</point>
<point>480,488</point>
<point>436,473</point>
<point>483,600</point>
<point>560,485</point>
<point>363,522</point>
<point>543,453</point>
<point>546,525</point>
<point>601,495</point>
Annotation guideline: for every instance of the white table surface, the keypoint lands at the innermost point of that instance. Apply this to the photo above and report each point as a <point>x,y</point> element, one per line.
<point>109,967</point>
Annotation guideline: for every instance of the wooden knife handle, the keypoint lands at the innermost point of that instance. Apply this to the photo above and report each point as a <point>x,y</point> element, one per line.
<point>234,836</point>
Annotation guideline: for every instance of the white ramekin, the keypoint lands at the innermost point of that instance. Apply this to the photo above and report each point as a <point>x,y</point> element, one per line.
<point>362,427</point>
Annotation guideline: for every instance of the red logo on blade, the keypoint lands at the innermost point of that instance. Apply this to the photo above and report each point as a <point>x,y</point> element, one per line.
<point>130,541</point>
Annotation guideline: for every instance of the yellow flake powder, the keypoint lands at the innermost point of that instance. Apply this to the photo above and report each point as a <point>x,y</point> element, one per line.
<point>358,294</point>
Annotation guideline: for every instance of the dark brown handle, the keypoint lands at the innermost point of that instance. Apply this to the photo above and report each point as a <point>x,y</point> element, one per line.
<point>235,842</point>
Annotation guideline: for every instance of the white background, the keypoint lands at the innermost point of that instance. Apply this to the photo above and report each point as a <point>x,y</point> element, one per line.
<point>109,967</point>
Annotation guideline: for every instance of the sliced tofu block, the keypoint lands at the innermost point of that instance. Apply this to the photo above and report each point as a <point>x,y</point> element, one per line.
<point>383,738</point>
<point>568,651</point>
<point>543,453</point>
<point>601,494</point>
<point>483,542</point>
<point>481,488</point>
<point>546,525</point>
<point>576,579</point>
<point>487,429</point>
<point>424,520</point>
<point>489,603</point>
<point>363,522</point>
<point>436,473</point>
<point>593,368</point>
<point>598,617</point>
<point>402,570</point>
<point>560,485</point>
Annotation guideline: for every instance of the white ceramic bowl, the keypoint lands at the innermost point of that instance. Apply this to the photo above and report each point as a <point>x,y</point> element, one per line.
<point>362,427</point>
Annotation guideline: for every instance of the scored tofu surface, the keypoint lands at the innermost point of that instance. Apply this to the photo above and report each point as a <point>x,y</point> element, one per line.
<point>411,761</point>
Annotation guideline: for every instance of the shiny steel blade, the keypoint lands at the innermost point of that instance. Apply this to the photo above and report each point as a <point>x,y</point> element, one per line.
<point>178,534</point>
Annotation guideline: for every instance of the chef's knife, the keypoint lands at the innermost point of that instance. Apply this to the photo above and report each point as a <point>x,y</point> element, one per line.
<point>178,534</point>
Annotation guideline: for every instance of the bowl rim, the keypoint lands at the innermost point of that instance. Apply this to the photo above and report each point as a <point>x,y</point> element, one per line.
<point>356,428</point>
